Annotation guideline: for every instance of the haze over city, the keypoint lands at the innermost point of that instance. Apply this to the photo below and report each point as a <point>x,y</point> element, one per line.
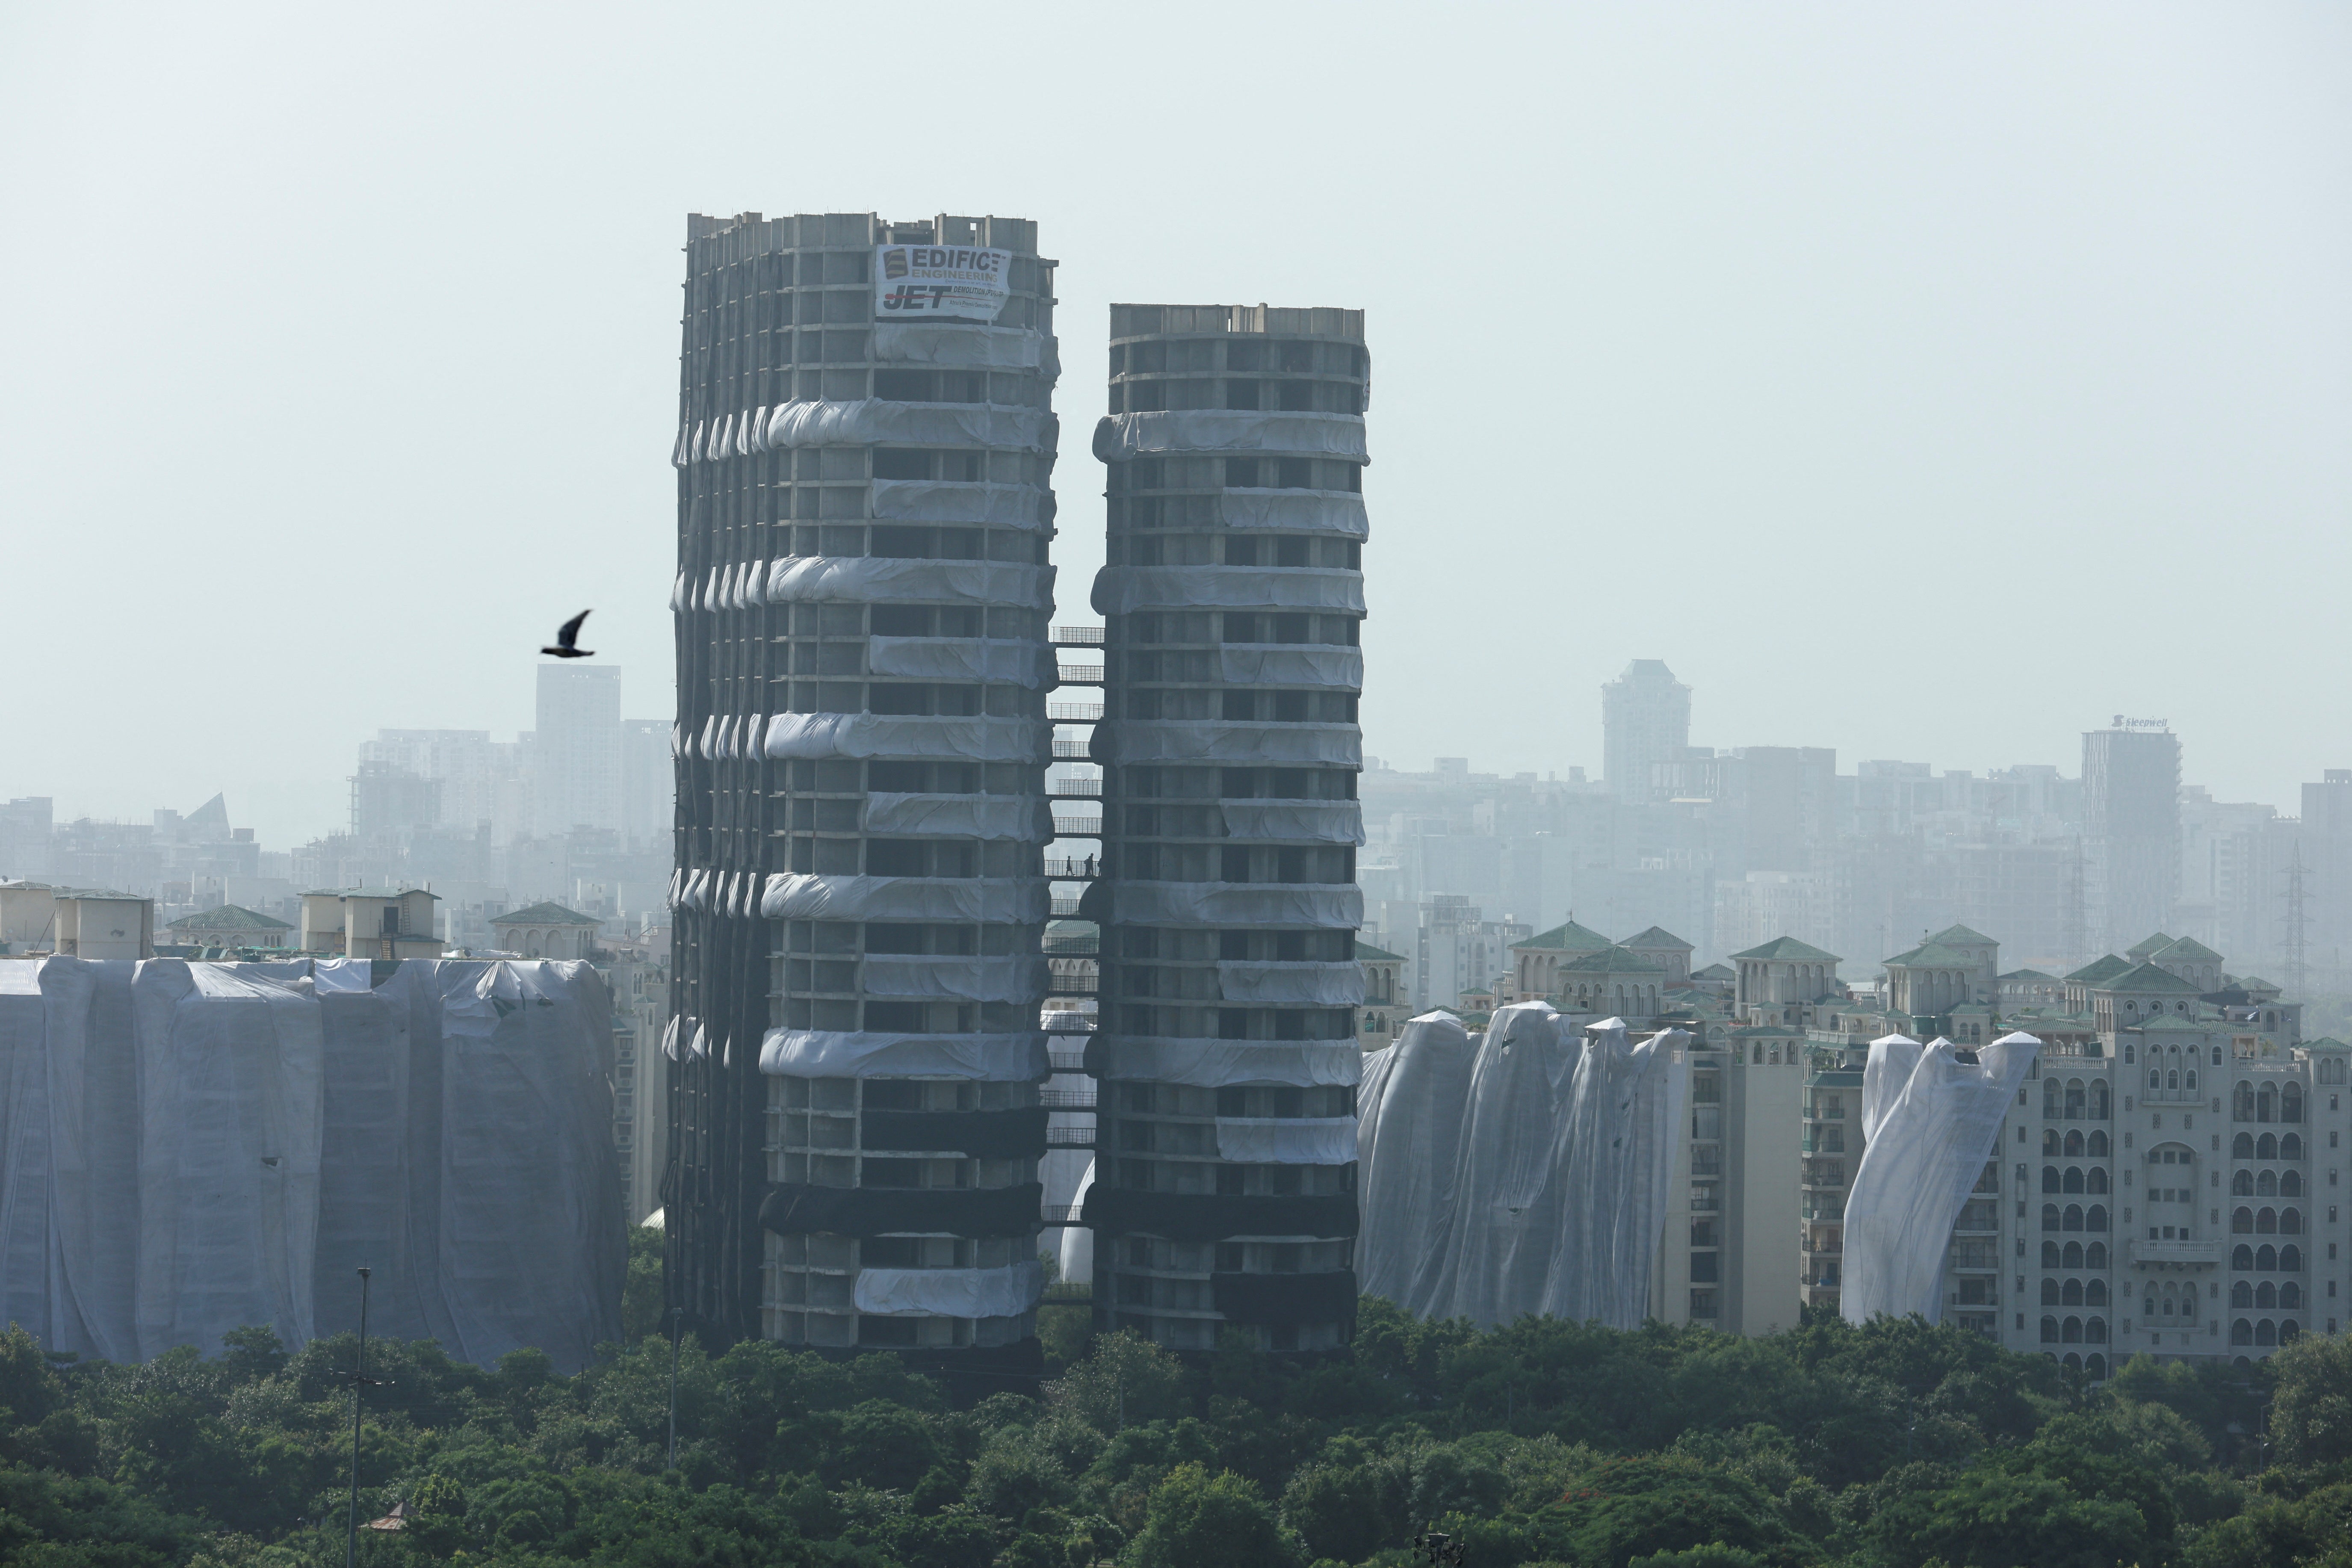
<point>1922,384</point>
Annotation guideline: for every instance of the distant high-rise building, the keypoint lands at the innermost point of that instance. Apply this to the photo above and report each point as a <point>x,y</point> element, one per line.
<point>2131,830</point>
<point>577,753</point>
<point>648,782</point>
<point>1224,1175</point>
<point>1644,720</point>
<point>864,456</point>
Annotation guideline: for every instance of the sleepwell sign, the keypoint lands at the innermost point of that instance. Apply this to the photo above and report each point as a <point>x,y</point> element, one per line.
<point>951,282</point>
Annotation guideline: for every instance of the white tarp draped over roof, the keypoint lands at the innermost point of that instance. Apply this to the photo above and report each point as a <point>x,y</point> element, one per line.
<point>1530,1175</point>
<point>223,1143</point>
<point>1118,590</point>
<point>1006,1292</point>
<point>1931,1121</point>
<point>1214,741</point>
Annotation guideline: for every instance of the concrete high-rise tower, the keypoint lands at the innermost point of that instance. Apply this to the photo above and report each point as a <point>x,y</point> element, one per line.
<point>1644,719</point>
<point>864,453</point>
<point>2131,830</point>
<point>1224,1173</point>
<point>576,749</point>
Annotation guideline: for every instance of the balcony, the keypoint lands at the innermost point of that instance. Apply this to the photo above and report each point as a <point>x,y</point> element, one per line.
<point>2206,1253</point>
<point>1078,636</point>
<point>1075,789</point>
<point>1074,713</point>
<point>1081,674</point>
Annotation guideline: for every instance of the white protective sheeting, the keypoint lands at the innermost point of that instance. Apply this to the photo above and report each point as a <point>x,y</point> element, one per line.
<point>1006,1292</point>
<point>1223,1064</point>
<point>232,1115</point>
<point>1315,821</point>
<point>1212,741</point>
<point>892,580</point>
<point>1936,1128</point>
<point>1288,906</point>
<point>1297,512</point>
<point>1029,664</point>
<point>1277,1141</point>
<point>1119,436</point>
<point>996,901</point>
<point>986,1059</point>
<point>1409,1111</point>
<point>872,421</point>
<point>1530,1169</point>
<point>24,1148</point>
<point>1252,664</point>
<point>1884,1073</point>
<point>1027,819</point>
<point>976,502</point>
<point>1020,977</point>
<point>1121,590</point>
<point>968,345</point>
<point>1078,1255</point>
<point>1274,982</point>
<point>94,1140</point>
<point>906,736</point>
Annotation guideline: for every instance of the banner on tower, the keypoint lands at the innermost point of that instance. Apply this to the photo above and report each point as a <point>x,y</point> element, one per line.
<point>943,282</point>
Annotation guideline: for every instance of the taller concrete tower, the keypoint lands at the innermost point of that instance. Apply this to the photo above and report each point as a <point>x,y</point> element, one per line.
<point>864,453</point>
<point>1225,1176</point>
<point>1644,720</point>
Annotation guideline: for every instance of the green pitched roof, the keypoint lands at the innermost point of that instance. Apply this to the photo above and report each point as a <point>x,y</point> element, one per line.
<point>544,915</point>
<point>2188,950</point>
<point>228,917</point>
<point>1715,971</point>
<point>1935,955</point>
<point>1789,949</point>
<point>2147,977</point>
<point>2029,974</point>
<point>1959,936</point>
<point>2138,953</point>
<point>1612,961</point>
<point>1365,950</point>
<point>1569,938</point>
<point>2098,969</point>
<point>1656,936</point>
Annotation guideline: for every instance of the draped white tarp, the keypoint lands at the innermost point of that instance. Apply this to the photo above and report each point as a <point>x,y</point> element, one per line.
<point>1223,1064</point>
<point>1527,1172</point>
<point>1001,659</point>
<point>1288,1141</point>
<point>1002,900</point>
<point>1119,437</point>
<point>976,739</point>
<point>970,345</point>
<point>1120,590</point>
<point>1297,512</point>
<point>977,502</point>
<point>897,580</point>
<point>1215,740</point>
<point>1930,1130</point>
<point>1024,817</point>
<point>1273,982</point>
<point>1019,977</point>
<point>1006,1292</point>
<point>987,1058</point>
<point>872,421</point>
<point>1258,664</point>
<point>1077,1254</point>
<point>1316,821</point>
<point>1270,905</point>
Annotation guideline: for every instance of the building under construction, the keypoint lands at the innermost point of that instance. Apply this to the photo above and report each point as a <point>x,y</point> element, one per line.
<point>1223,1190</point>
<point>865,451</point>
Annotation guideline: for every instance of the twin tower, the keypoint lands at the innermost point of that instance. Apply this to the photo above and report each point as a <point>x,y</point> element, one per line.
<point>865,1070</point>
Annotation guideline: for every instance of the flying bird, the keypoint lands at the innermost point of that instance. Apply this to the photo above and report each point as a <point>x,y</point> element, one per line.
<point>566,638</point>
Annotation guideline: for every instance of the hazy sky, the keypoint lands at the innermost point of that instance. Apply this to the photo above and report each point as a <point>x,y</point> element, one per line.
<point>1930,382</point>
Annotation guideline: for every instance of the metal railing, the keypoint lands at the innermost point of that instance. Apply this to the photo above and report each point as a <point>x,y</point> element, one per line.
<point>1068,1021</point>
<point>1069,1138</point>
<point>1072,751</point>
<point>1065,909</point>
<point>1073,946</point>
<point>1075,789</point>
<point>1066,1099</point>
<point>1074,713</point>
<point>1081,674</point>
<point>1074,870</point>
<point>1073,985</point>
<point>1078,636</point>
<point>1067,1061</point>
<point>1078,827</point>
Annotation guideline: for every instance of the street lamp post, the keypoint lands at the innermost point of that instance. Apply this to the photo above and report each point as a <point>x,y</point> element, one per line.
<point>677,1330</point>
<point>359,1379</point>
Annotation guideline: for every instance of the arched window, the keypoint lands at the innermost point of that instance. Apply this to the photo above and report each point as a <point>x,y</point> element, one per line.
<point>2172,1080</point>
<point>2242,1332</point>
<point>2050,1098</point>
<point>2074,1145</point>
<point>2071,1293</point>
<point>2073,1255</point>
<point>2241,1221</point>
<point>2050,1217</point>
<point>2288,1330</point>
<point>2266,1185</point>
<point>2073,1362</point>
<point>2192,1080</point>
<point>2155,1080</point>
<point>2074,1099</point>
<point>2049,1331</point>
<point>2096,1366</point>
<point>2217,1056</point>
<point>2291,1146</point>
<point>2290,1222</point>
<point>2050,1178</point>
<point>1757,1059</point>
<point>2266,1332</point>
<point>2095,1294</point>
<point>2265,1258</point>
<point>2096,1254</point>
<point>2049,1141</point>
<point>2098,1145</point>
<point>2096,1180</point>
<point>2266,1146</point>
<point>2290,1295</point>
<point>2189,1303</point>
<point>2099,1099</point>
<point>2072,1220</point>
<point>2266,1222</point>
<point>2050,1293</point>
<point>2071,1332</point>
<point>2095,1331</point>
<point>2242,1185</point>
<point>2289,1259</point>
<point>2242,1258</point>
<point>2241,1147</point>
<point>2291,1103</point>
<point>2291,1185</point>
<point>2241,1296</point>
<point>2265,1295</point>
<point>2096,1218</point>
<point>2050,1255</point>
<point>2074,1179</point>
<point>2267,1104</point>
<point>2241,1103</point>
<point>2147,1307</point>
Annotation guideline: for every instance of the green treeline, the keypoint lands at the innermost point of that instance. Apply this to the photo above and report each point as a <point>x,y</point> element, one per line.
<point>1545,1442</point>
